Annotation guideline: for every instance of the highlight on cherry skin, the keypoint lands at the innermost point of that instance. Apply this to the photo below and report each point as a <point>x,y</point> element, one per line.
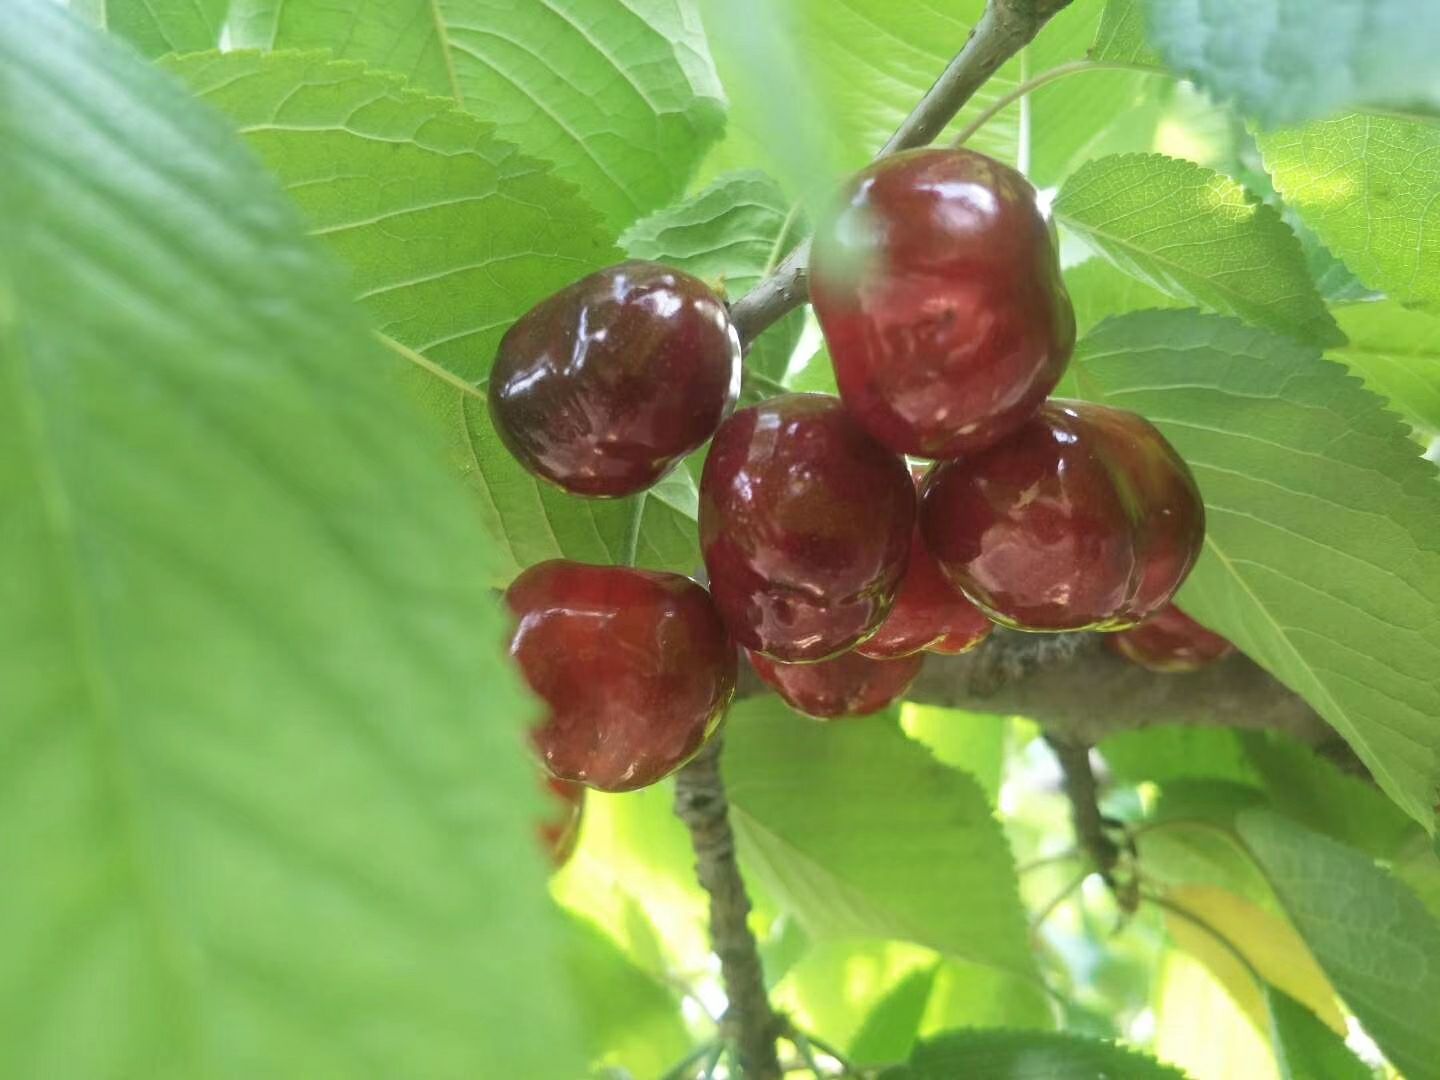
<point>604,386</point>
<point>1086,518</point>
<point>634,667</point>
<point>805,527</point>
<point>937,283</point>
<point>1170,642</point>
<point>850,684</point>
<point>559,829</point>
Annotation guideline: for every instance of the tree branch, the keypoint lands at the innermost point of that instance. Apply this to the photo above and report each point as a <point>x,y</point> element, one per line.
<point>1004,29</point>
<point>752,1023</point>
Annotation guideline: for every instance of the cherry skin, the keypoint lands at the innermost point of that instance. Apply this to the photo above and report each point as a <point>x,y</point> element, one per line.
<point>604,386</point>
<point>847,685</point>
<point>937,284</point>
<point>635,667</point>
<point>1085,518</point>
<point>1170,642</point>
<point>560,830</point>
<point>805,526</point>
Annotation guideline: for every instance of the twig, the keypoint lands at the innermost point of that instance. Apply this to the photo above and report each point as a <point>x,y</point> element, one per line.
<point>700,804</point>
<point>1059,898</point>
<point>1080,789</point>
<point>1004,29</point>
<point>1029,86</point>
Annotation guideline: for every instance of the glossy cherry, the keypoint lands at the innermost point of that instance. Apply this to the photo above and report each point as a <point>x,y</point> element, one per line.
<point>560,829</point>
<point>604,386</point>
<point>1169,641</point>
<point>937,284</point>
<point>1084,518</point>
<point>805,525</point>
<point>635,667</point>
<point>847,685</point>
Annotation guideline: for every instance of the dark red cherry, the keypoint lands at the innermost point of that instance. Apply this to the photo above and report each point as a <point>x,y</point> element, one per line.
<point>635,667</point>
<point>1085,518</point>
<point>560,829</point>
<point>604,386</point>
<point>929,614</point>
<point>805,526</point>
<point>938,286</point>
<point>847,685</point>
<point>1171,642</point>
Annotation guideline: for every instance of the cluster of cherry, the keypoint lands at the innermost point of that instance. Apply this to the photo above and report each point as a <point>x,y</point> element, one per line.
<point>830,560</point>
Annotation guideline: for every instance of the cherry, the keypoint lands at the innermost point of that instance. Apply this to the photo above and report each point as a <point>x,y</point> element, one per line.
<point>937,284</point>
<point>560,830</point>
<point>1085,518</point>
<point>805,527</point>
<point>1169,641</point>
<point>604,386</point>
<point>635,666</point>
<point>930,614</point>
<point>847,685</point>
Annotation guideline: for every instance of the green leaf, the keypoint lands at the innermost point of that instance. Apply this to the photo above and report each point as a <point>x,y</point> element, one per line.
<point>1366,185</point>
<point>890,1031</point>
<point>620,94</point>
<point>1322,553</point>
<point>1171,752</point>
<point>971,742</point>
<point>1199,236</point>
<point>156,27</point>
<point>450,233</point>
<point>1121,36</point>
<point>1397,352</point>
<point>1026,1055</point>
<point>267,807</point>
<point>729,234</point>
<point>1099,289</point>
<point>1304,1047</point>
<point>834,843</point>
<point>1285,61</point>
<point>1375,940</point>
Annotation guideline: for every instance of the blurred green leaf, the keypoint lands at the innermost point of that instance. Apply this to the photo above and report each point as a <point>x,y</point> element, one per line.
<point>620,94</point>
<point>1365,184</point>
<point>890,1031</point>
<point>1322,553</point>
<point>1121,36</point>
<point>1198,236</point>
<point>1025,1055</point>
<point>156,27</point>
<point>1304,1047</point>
<point>729,234</point>
<point>1200,1029</point>
<point>871,837</point>
<point>1099,289</point>
<point>971,742</point>
<point>1283,62</point>
<point>268,808</point>
<point>1171,752</point>
<point>1397,352</point>
<point>1375,940</point>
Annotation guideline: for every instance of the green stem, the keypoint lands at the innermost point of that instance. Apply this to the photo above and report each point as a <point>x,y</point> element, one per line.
<point>426,364</point>
<point>1074,67</point>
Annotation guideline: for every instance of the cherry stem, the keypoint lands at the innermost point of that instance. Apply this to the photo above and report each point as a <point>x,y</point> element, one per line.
<point>1082,791</point>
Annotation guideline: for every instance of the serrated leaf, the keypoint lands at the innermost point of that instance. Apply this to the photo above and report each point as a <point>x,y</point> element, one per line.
<point>1026,1055</point>
<point>1322,553</point>
<point>1397,352</point>
<point>1121,36</point>
<point>450,233</point>
<point>267,808</point>
<point>620,94</point>
<point>729,234</point>
<point>156,27</point>
<point>1373,937</point>
<point>1304,1047</point>
<point>1366,185</point>
<point>1287,61</point>
<point>849,859</point>
<point>1198,236</point>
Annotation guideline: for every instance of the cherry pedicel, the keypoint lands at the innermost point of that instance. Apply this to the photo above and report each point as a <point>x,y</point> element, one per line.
<point>635,667</point>
<point>1169,641</point>
<point>1086,518</point>
<point>938,287</point>
<point>603,387</point>
<point>848,685</point>
<point>560,830</point>
<point>805,526</point>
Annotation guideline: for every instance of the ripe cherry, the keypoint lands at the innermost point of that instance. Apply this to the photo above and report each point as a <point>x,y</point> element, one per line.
<point>937,284</point>
<point>1085,518</point>
<point>604,386</point>
<point>1169,641</point>
<point>805,526</point>
<point>560,830</point>
<point>847,685</point>
<point>635,666</point>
